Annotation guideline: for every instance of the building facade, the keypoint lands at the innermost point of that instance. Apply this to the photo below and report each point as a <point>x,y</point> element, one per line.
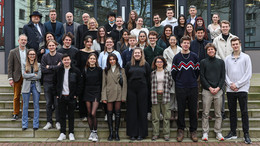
<point>243,15</point>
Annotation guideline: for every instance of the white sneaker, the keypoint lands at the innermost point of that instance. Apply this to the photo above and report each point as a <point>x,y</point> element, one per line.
<point>105,118</point>
<point>205,137</point>
<point>95,137</point>
<point>58,125</point>
<point>62,137</point>
<point>71,137</point>
<point>149,116</point>
<point>90,136</point>
<point>85,119</point>
<point>219,137</point>
<point>47,126</point>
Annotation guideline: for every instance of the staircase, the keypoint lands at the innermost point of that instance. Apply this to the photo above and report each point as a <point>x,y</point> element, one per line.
<point>12,130</point>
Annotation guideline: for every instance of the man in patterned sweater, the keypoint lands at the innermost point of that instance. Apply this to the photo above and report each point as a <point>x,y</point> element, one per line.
<point>185,71</point>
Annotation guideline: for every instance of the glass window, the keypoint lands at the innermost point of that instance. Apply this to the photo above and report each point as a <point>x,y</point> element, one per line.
<point>103,7</point>
<point>252,24</point>
<point>201,6</point>
<point>21,14</point>
<point>83,6</point>
<point>143,9</point>
<point>28,6</point>
<point>2,23</point>
<point>223,8</point>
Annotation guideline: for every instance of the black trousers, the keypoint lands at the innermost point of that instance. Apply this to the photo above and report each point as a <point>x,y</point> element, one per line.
<point>137,124</point>
<point>51,102</point>
<point>187,96</point>
<point>232,106</point>
<point>67,106</point>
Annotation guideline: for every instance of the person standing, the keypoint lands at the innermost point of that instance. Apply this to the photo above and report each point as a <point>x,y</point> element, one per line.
<point>127,54</point>
<point>138,73</point>
<point>180,28</point>
<point>34,31</point>
<point>31,72</point>
<point>81,30</point>
<point>170,19</point>
<point>139,23</point>
<point>54,26</point>
<point>161,83</point>
<point>16,58</point>
<point>71,26</point>
<point>212,78</point>
<point>238,74</point>
<point>157,25</point>
<point>223,45</point>
<point>130,25</point>
<point>163,42</point>
<point>68,48</point>
<point>114,87</point>
<point>193,13</point>
<point>117,32</point>
<point>123,44</point>
<point>214,27</point>
<point>49,64</point>
<point>111,24</point>
<point>67,87</point>
<point>185,72</point>
<point>169,54</point>
<point>92,85</point>
<point>99,42</point>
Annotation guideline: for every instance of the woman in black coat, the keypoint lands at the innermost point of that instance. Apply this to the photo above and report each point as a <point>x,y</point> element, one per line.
<point>138,73</point>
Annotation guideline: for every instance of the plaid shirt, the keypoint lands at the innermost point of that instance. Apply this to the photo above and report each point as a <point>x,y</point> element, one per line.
<point>168,81</point>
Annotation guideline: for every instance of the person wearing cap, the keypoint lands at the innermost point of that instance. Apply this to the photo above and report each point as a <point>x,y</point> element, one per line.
<point>54,26</point>
<point>34,31</point>
<point>111,24</point>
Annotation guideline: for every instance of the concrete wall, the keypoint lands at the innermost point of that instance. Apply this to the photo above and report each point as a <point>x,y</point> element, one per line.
<point>254,54</point>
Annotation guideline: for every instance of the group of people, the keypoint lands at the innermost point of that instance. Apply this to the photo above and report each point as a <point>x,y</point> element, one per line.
<point>157,72</point>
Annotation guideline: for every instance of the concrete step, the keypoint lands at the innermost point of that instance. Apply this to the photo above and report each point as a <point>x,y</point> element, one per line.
<point>78,123</point>
<point>7,113</point>
<point>104,132</point>
<point>9,104</point>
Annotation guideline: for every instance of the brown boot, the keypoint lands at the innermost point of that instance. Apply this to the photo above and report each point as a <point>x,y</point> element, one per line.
<point>180,135</point>
<point>193,136</point>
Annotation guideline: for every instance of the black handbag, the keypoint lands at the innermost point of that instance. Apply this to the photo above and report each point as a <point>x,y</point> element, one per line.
<point>121,78</point>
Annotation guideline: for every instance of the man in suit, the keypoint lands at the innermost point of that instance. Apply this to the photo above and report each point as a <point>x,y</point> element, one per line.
<point>34,31</point>
<point>193,13</point>
<point>16,58</point>
<point>81,30</point>
<point>71,26</point>
<point>54,26</point>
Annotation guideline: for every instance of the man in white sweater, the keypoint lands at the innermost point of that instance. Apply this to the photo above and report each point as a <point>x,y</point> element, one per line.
<point>238,74</point>
<point>170,19</point>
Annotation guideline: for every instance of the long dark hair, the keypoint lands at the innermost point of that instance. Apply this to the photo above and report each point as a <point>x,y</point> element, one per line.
<point>44,39</point>
<point>108,63</point>
<point>179,24</point>
<point>163,37</point>
<point>98,36</point>
<point>122,40</point>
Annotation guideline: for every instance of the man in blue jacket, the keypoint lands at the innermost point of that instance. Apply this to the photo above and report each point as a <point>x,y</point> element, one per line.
<point>34,31</point>
<point>54,26</point>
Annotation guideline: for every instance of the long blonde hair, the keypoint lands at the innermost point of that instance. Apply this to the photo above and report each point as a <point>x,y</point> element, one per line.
<point>142,60</point>
<point>28,65</point>
<point>130,21</point>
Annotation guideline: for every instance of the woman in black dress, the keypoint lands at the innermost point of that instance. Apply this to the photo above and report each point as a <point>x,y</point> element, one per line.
<point>81,58</point>
<point>138,73</point>
<point>92,77</point>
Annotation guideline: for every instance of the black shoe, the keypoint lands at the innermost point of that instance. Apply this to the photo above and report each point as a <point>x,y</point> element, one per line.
<point>15,117</point>
<point>24,129</point>
<point>247,139</point>
<point>132,138</point>
<point>231,135</point>
<point>139,138</point>
<point>35,129</point>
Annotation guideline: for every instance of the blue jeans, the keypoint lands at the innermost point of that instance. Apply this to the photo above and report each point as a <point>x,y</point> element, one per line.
<point>26,98</point>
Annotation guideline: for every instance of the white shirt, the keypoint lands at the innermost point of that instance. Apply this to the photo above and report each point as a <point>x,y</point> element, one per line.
<point>65,89</point>
<point>38,28</point>
<point>173,22</point>
<point>22,56</point>
<point>193,20</point>
<point>238,71</point>
<point>137,31</point>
